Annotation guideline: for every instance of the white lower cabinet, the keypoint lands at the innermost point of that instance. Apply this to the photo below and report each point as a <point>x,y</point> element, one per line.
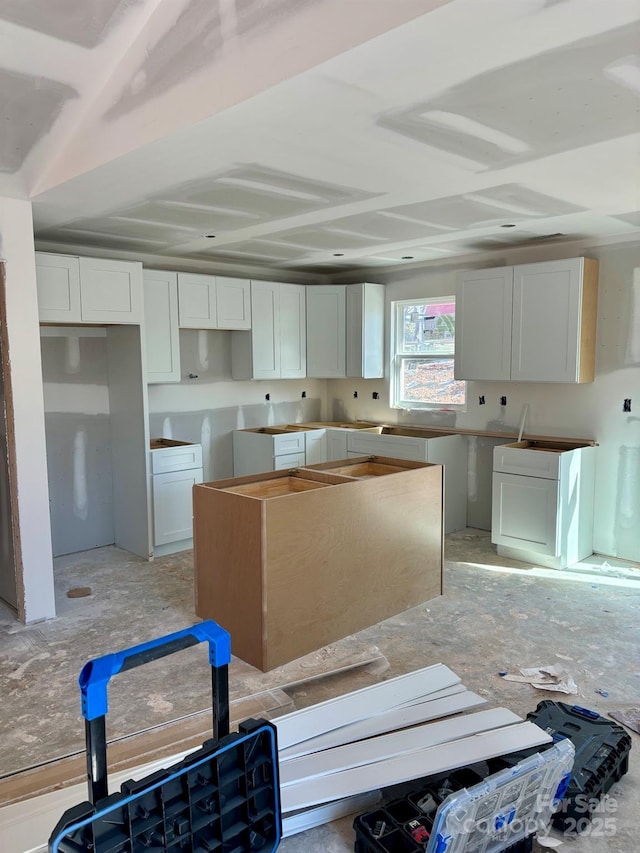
<point>441,449</point>
<point>176,467</point>
<point>262,449</point>
<point>542,502</point>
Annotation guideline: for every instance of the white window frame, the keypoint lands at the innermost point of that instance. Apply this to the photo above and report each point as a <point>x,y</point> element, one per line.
<point>398,357</point>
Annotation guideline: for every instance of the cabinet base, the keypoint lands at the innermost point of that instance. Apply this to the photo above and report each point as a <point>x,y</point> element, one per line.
<point>172,548</point>
<point>537,559</point>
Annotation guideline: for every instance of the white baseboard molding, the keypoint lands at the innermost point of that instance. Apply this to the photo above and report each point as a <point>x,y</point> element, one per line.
<point>389,721</point>
<point>319,815</point>
<point>413,765</point>
<point>377,749</point>
<point>334,713</point>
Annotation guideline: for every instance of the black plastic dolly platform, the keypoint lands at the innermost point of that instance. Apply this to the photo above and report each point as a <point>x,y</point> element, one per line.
<point>222,797</point>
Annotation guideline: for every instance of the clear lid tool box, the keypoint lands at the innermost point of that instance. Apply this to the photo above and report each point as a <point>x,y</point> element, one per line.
<point>497,814</point>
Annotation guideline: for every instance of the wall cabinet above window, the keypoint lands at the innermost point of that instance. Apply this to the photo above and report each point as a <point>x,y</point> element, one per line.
<point>528,323</point>
<point>213,302</point>
<point>88,290</point>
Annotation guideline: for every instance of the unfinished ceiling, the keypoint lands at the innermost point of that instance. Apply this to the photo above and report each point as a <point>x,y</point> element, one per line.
<point>319,135</point>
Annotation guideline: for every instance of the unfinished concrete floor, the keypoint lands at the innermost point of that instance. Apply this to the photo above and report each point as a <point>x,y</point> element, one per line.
<point>495,614</point>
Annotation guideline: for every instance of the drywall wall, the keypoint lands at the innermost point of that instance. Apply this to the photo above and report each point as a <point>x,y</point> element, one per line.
<point>593,410</point>
<point>28,454</point>
<point>78,434</point>
<point>208,408</point>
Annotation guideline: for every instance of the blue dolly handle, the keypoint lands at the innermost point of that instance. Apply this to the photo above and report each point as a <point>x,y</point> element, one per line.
<point>96,674</point>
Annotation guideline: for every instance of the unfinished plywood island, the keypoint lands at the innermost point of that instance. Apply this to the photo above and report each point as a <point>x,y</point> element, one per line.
<point>290,561</point>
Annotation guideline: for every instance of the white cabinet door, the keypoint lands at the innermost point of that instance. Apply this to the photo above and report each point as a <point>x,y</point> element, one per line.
<point>326,330</point>
<point>110,291</point>
<point>336,444</point>
<point>197,301</point>
<point>265,330</point>
<point>316,446</point>
<point>525,513</point>
<point>546,321</point>
<point>365,330</point>
<point>173,505</point>
<point>233,303</point>
<point>293,331</point>
<point>483,324</point>
<point>161,334</point>
<point>58,284</point>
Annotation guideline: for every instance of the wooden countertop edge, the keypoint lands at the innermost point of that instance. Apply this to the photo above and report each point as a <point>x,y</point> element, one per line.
<point>483,433</point>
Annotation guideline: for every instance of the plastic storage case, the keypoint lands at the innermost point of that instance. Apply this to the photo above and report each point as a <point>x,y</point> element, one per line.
<point>498,813</point>
<point>602,758</point>
<point>222,797</point>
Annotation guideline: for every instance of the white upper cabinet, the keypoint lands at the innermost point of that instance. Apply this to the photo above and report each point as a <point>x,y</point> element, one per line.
<point>554,321</point>
<point>483,324</point>
<point>161,334</point>
<point>365,330</point>
<point>213,302</point>
<point>233,303</point>
<point>326,331</point>
<point>197,301</point>
<point>58,283</point>
<point>88,290</point>
<point>110,291</point>
<point>275,348</point>
<point>533,322</point>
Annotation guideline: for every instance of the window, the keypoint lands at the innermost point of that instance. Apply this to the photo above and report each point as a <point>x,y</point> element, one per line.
<point>422,356</point>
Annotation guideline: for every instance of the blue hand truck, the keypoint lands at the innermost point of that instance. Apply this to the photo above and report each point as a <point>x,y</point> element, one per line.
<point>223,797</point>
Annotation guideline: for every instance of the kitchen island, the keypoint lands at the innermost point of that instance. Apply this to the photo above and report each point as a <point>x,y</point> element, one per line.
<point>290,561</point>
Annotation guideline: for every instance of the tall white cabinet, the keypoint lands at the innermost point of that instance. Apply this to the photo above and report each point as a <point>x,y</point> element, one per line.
<point>528,323</point>
<point>275,347</point>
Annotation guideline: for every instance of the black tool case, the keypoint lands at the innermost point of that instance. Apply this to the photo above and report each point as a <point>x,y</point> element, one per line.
<point>602,758</point>
<point>223,797</point>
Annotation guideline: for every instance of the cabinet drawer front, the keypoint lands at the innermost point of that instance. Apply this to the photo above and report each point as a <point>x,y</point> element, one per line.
<point>288,443</point>
<point>396,447</point>
<point>289,460</point>
<point>525,513</point>
<point>176,458</point>
<point>532,463</point>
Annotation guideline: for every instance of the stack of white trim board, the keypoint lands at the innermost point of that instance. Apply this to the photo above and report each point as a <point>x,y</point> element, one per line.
<point>336,756</point>
<point>333,754</point>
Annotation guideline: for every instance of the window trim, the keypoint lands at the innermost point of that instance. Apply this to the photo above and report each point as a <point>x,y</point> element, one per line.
<point>397,357</point>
